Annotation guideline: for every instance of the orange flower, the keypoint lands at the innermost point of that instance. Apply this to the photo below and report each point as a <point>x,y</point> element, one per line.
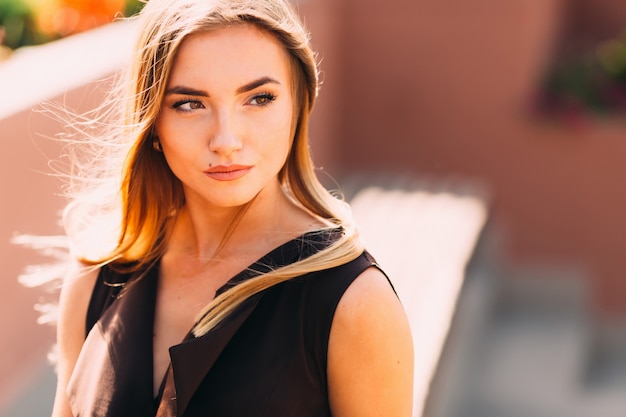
<point>65,17</point>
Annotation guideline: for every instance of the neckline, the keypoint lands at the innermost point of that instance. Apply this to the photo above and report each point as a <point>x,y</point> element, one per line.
<point>291,251</point>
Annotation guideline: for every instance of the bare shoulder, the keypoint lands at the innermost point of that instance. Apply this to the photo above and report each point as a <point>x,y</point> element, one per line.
<point>370,352</point>
<point>73,303</point>
<point>76,291</point>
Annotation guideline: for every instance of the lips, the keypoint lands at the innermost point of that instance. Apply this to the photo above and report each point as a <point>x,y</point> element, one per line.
<point>228,172</point>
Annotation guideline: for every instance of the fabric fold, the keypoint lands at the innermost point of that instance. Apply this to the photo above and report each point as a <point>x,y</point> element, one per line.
<point>188,372</point>
<point>120,372</point>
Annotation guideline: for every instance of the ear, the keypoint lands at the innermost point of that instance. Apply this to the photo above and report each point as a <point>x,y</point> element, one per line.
<point>156,143</point>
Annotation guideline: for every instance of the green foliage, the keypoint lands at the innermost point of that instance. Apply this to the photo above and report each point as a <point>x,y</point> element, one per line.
<point>133,7</point>
<point>591,82</point>
<point>17,20</point>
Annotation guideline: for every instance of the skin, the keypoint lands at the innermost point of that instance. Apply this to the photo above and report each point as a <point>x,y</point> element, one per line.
<point>240,112</point>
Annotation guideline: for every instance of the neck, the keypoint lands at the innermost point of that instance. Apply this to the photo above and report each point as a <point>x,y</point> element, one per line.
<point>267,220</point>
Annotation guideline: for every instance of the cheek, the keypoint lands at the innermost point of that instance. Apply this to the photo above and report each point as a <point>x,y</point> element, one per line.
<point>167,126</point>
<point>170,146</point>
<point>289,123</point>
<point>170,134</point>
<point>160,128</point>
<point>285,138</point>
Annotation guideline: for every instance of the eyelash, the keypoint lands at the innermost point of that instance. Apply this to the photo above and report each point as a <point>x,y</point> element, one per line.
<point>268,97</point>
<point>179,103</point>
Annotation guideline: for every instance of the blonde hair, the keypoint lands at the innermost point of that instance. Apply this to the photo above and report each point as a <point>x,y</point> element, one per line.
<point>145,198</point>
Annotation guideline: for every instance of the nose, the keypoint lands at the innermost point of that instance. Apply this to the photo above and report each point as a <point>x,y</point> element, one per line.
<point>225,140</point>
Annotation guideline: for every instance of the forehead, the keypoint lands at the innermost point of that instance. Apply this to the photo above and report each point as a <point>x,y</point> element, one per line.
<point>236,54</point>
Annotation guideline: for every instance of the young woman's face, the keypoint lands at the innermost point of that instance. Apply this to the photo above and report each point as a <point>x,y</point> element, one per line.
<point>226,118</point>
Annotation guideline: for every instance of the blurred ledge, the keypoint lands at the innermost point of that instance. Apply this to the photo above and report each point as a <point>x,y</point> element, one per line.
<point>423,232</point>
<point>38,73</point>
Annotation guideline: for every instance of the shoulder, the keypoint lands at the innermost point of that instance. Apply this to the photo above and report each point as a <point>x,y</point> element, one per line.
<point>74,301</point>
<point>73,304</point>
<point>77,287</point>
<point>370,341</point>
<point>324,289</point>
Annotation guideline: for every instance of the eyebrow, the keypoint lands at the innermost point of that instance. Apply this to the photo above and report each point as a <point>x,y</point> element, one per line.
<point>188,91</point>
<point>256,83</point>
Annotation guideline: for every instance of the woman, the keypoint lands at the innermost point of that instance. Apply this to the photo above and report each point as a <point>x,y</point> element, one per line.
<point>236,284</point>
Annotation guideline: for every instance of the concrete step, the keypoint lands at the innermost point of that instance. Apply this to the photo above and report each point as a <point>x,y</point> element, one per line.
<point>37,399</point>
<point>523,344</point>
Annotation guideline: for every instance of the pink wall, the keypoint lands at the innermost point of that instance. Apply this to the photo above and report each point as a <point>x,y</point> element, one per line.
<point>443,87</point>
<point>30,205</point>
<point>597,19</point>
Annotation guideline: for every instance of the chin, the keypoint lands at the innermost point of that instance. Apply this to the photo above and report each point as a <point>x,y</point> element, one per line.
<point>231,201</point>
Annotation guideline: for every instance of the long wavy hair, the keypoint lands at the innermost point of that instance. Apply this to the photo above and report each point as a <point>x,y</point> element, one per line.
<point>118,178</point>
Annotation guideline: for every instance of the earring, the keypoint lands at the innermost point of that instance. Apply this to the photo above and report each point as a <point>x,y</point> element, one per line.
<point>156,144</point>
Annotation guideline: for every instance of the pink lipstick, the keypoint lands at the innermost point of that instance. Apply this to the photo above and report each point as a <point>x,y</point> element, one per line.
<point>228,172</point>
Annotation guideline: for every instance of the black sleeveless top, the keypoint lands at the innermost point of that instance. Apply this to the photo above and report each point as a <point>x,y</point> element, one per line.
<point>268,358</point>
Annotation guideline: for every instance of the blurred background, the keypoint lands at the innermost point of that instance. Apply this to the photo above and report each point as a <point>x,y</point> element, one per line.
<point>521,103</point>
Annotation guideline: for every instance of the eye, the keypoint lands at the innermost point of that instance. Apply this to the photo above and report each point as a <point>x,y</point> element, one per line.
<point>262,99</point>
<point>188,105</point>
